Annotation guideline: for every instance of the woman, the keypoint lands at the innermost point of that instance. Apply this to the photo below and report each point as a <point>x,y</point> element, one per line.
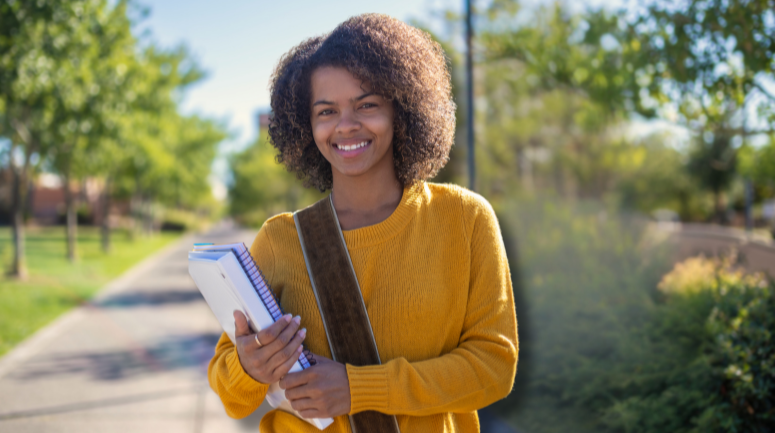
<point>366,112</point>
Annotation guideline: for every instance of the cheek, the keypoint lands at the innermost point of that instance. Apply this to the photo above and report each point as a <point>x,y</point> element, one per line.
<point>384,127</point>
<point>320,134</point>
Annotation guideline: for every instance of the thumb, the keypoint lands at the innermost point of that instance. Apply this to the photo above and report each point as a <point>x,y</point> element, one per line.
<point>240,324</point>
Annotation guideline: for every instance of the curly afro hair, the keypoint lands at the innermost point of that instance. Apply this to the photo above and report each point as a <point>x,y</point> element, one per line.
<point>401,63</point>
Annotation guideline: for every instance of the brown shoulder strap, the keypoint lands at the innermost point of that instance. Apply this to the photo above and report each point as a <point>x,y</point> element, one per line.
<point>339,300</point>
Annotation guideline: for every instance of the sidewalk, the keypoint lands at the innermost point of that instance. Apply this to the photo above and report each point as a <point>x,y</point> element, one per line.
<point>134,360</point>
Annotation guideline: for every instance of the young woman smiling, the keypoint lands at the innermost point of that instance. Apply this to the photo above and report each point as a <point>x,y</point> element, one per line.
<point>367,112</point>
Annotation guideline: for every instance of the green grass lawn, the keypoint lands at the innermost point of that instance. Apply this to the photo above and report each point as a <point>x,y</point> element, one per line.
<point>55,285</point>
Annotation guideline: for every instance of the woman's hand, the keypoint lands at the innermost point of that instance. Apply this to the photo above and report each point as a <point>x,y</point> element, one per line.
<point>280,347</point>
<point>321,391</point>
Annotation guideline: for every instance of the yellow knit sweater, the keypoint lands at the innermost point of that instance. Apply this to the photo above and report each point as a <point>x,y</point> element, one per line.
<point>437,290</point>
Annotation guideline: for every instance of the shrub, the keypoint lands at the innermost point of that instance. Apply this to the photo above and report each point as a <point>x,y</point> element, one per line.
<point>612,342</point>
<point>583,285</point>
<point>718,322</point>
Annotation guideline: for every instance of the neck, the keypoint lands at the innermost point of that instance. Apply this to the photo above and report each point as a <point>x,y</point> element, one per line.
<point>366,199</point>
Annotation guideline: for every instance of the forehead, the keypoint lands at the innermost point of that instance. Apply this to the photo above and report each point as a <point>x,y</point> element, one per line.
<point>335,84</point>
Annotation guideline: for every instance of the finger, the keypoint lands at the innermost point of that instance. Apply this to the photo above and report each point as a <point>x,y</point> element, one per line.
<point>303,404</point>
<point>268,335</point>
<point>286,366</point>
<point>293,380</point>
<point>290,353</point>
<point>300,392</point>
<point>283,346</point>
<point>311,413</point>
<point>241,327</point>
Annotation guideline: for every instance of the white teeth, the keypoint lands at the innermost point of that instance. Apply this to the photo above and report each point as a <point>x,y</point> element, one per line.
<point>354,146</point>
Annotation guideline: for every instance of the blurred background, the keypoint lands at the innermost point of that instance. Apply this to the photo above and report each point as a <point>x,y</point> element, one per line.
<point>628,149</point>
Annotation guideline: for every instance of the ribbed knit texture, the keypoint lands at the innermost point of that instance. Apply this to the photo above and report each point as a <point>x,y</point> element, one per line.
<point>437,289</point>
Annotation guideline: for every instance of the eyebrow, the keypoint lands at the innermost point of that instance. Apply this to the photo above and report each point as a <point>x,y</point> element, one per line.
<point>324,102</point>
<point>365,95</point>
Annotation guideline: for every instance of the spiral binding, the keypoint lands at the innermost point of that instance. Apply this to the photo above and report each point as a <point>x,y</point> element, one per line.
<point>265,292</point>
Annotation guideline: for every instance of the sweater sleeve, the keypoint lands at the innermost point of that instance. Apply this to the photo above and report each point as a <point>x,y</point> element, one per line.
<point>240,393</point>
<point>481,369</point>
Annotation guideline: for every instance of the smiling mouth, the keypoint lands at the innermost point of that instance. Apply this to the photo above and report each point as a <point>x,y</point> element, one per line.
<point>351,147</point>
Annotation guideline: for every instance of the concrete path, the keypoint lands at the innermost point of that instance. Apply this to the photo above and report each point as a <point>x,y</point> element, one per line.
<point>754,254</point>
<point>134,360</point>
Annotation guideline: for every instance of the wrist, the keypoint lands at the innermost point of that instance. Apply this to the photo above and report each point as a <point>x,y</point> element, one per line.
<point>238,376</point>
<point>368,388</point>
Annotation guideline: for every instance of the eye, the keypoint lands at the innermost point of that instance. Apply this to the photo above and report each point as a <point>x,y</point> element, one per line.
<point>368,105</point>
<point>325,112</point>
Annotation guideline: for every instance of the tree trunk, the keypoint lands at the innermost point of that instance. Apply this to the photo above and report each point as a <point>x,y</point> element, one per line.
<point>19,266</point>
<point>718,205</point>
<point>105,227</point>
<point>683,200</point>
<point>72,220</point>
<point>148,217</point>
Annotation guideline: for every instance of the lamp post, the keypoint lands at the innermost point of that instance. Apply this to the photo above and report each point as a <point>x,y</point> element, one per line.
<point>470,98</point>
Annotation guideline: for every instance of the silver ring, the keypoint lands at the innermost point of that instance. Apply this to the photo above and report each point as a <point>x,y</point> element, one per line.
<point>257,342</point>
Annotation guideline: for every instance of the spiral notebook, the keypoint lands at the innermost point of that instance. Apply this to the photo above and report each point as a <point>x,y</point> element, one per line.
<point>229,280</point>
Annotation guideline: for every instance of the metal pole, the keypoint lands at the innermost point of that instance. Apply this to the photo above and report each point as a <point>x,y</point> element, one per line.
<point>470,98</point>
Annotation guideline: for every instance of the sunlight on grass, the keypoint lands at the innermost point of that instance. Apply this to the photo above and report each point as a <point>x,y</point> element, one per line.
<point>56,285</point>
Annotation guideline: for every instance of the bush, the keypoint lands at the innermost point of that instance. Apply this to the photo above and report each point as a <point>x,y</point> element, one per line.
<point>584,283</point>
<point>609,345</point>
<point>180,220</point>
<point>717,322</point>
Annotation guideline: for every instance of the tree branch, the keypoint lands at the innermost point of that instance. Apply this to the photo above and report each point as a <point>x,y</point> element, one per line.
<point>22,130</point>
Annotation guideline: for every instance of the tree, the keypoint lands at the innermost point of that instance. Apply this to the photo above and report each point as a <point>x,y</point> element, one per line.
<point>88,89</point>
<point>158,142</point>
<point>710,62</point>
<point>78,96</point>
<point>559,93</point>
<point>34,44</point>
<point>262,187</point>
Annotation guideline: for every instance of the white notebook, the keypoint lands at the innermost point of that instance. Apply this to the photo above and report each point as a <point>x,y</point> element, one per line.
<point>229,280</point>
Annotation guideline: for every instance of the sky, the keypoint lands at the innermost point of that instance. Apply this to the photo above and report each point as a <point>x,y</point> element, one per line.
<point>238,44</point>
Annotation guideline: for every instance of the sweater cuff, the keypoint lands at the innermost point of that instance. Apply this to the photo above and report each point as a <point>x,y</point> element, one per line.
<point>368,388</point>
<point>239,380</point>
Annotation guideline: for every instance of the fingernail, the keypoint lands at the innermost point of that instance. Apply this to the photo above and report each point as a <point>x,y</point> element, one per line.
<point>287,317</point>
<point>303,332</point>
<point>297,319</point>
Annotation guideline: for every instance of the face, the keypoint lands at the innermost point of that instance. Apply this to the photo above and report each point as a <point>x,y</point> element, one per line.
<point>352,127</point>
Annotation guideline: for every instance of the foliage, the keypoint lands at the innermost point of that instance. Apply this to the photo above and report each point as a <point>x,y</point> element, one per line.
<point>758,164</point>
<point>660,181</point>
<point>709,62</point>
<point>717,321</point>
<point>559,94</point>
<point>583,284</point>
<point>708,57</point>
<point>81,96</point>
<point>607,347</point>
<point>559,90</point>
<point>584,54</point>
<point>261,187</point>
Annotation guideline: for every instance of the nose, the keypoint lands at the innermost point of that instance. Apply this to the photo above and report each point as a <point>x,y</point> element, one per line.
<point>348,123</point>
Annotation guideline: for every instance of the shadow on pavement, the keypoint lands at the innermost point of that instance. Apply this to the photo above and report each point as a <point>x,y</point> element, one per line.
<point>171,354</point>
<point>150,298</point>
